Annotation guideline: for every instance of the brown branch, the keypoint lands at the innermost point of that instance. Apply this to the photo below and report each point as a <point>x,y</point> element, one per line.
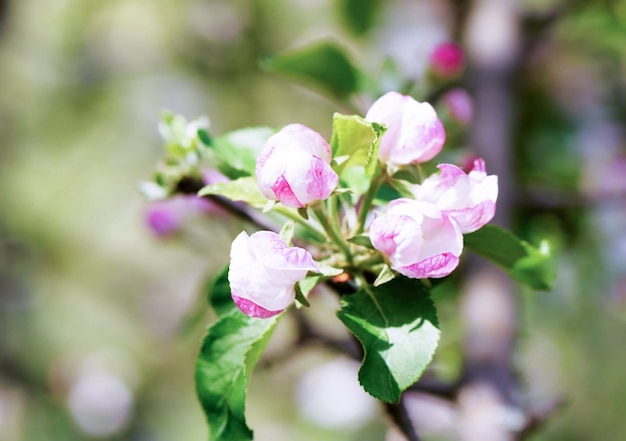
<point>436,388</point>
<point>401,418</point>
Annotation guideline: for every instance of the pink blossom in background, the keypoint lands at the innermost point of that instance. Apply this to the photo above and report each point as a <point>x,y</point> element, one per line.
<point>294,167</point>
<point>447,59</point>
<point>414,133</point>
<point>460,105</point>
<point>213,176</point>
<point>162,218</point>
<point>418,240</point>
<point>468,198</point>
<point>166,217</point>
<point>263,272</point>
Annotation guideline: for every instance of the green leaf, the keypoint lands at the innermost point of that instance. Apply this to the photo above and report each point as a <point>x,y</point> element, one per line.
<point>362,240</point>
<point>329,271</point>
<point>231,349</point>
<point>242,189</point>
<point>536,267</point>
<point>235,153</point>
<point>307,284</point>
<point>397,325</point>
<point>324,65</point>
<point>356,141</point>
<point>301,297</point>
<point>360,15</point>
<point>219,294</point>
<point>386,274</point>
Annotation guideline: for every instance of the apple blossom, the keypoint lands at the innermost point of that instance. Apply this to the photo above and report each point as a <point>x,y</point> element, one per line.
<point>294,167</point>
<point>263,272</point>
<point>414,133</point>
<point>418,240</point>
<point>468,198</point>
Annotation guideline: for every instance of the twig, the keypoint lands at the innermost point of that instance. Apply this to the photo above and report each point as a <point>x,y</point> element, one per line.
<point>189,185</point>
<point>401,418</point>
<point>432,386</point>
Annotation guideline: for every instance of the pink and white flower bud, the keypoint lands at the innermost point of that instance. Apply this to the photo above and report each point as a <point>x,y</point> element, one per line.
<point>294,167</point>
<point>418,240</point>
<point>468,198</point>
<point>414,133</point>
<point>446,60</point>
<point>263,272</point>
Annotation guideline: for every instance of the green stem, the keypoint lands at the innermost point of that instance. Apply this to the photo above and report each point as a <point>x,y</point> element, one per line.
<point>299,220</point>
<point>332,229</point>
<point>368,199</point>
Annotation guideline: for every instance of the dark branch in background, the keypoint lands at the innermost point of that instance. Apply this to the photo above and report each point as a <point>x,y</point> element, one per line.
<point>193,186</point>
<point>538,416</point>
<point>401,418</point>
<point>308,335</point>
<point>536,26</point>
<point>428,384</point>
<point>4,13</point>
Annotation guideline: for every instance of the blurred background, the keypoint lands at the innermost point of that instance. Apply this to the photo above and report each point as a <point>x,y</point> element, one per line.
<point>102,313</point>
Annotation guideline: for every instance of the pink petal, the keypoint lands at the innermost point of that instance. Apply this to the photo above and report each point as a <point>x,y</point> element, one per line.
<point>283,192</point>
<point>422,135</point>
<point>441,235</point>
<point>436,266</point>
<point>307,139</point>
<point>450,173</point>
<point>321,180</point>
<point>263,243</point>
<point>299,258</point>
<point>311,178</point>
<point>388,110</point>
<point>383,234</point>
<point>252,309</point>
<point>479,166</point>
<point>473,218</point>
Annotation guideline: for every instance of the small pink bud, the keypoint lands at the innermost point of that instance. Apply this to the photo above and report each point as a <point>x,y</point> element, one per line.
<point>294,167</point>
<point>414,133</point>
<point>446,60</point>
<point>418,240</point>
<point>470,198</point>
<point>263,272</point>
<point>460,105</point>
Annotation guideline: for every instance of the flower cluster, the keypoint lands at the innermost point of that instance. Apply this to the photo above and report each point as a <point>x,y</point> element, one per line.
<point>419,235</point>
